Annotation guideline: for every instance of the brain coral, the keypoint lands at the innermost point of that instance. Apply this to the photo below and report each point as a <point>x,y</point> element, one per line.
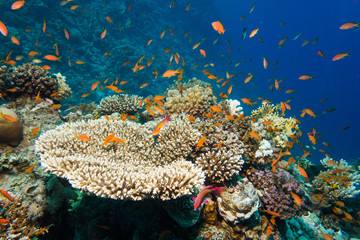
<point>195,98</point>
<point>143,167</point>
<point>122,103</point>
<point>30,79</point>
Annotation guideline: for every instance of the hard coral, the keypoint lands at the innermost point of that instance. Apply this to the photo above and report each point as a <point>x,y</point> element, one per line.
<point>30,79</point>
<point>142,167</point>
<point>275,189</point>
<point>122,103</point>
<point>195,98</point>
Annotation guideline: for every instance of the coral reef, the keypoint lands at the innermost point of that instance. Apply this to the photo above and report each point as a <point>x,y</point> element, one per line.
<point>123,103</point>
<point>195,97</point>
<point>140,167</point>
<point>338,182</point>
<point>239,203</point>
<point>31,80</point>
<point>10,132</point>
<point>275,192</point>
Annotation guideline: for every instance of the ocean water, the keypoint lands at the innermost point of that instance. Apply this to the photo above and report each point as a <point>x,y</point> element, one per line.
<point>106,39</point>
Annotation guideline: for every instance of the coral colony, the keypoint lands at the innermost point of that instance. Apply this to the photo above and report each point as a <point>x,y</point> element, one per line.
<point>179,161</point>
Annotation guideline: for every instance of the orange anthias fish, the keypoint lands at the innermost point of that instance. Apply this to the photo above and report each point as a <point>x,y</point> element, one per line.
<point>305,77</point>
<point>296,198</point>
<point>303,173</point>
<point>218,27</point>
<point>202,52</point>
<point>17,5</point>
<point>340,56</point>
<point>160,126</point>
<point>216,109</point>
<point>7,195</point>
<point>201,142</point>
<point>30,169</point>
<point>52,58</point>
<point>205,191</point>
<point>253,33</point>
<point>3,221</point>
<point>3,29</point>
<point>108,139</point>
<point>247,101</point>
<point>35,131</point>
<point>103,34</point>
<point>15,40</point>
<point>82,137</point>
<point>7,117</point>
<point>254,135</point>
<point>349,25</point>
<point>170,73</point>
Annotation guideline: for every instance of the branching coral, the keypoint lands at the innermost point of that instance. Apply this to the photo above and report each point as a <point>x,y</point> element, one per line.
<point>275,192</point>
<point>195,97</point>
<point>122,103</point>
<point>143,167</point>
<point>279,130</point>
<point>31,79</point>
<point>339,181</point>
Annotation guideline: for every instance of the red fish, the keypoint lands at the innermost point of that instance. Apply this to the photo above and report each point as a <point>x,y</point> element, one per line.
<point>7,195</point>
<point>205,191</point>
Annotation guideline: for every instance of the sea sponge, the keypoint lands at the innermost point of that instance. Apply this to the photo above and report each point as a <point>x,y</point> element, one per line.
<point>195,98</point>
<point>143,167</point>
<point>30,79</point>
<point>123,103</point>
<point>10,132</point>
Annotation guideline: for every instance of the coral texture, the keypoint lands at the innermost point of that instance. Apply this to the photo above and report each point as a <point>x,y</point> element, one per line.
<point>275,189</point>
<point>195,98</point>
<point>10,132</point>
<point>238,203</point>
<point>143,167</point>
<point>339,181</point>
<point>31,79</point>
<point>122,103</point>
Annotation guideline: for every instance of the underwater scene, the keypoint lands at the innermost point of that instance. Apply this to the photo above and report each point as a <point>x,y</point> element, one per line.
<point>179,119</point>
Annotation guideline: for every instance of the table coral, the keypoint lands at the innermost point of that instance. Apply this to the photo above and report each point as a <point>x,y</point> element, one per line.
<point>143,167</point>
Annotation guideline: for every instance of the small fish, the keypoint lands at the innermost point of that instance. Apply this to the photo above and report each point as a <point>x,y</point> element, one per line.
<point>201,142</point>
<point>216,109</point>
<point>30,169</point>
<point>3,29</point>
<point>247,101</point>
<point>80,62</point>
<point>202,52</point>
<point>247,79</point>
<point>144,85</point>
<point>52,58</point>
<point>160,126</point>
<point>265,63</point>
<point>34,131</point>
<point>82,137</point>
<point>297,36</point>
<point>272,213</point>
<point>320,53</point>
<point>303,173</point>
<point>3,221</point>
<point>296,198</point>
<point>205,191</point>
<point>108,139</point>
<point>7,117</point>
<point>44,27</point>
<point>17,5</point>
<point>349,25</point>
<point>7,195</point>
<point>253,33</point>
<point>162,34</point>
<point>109,19</point>
<point>103,34</point>
<point>218,27</point>
<point>15,40</point>
<point>305,77</point>
<point>244,33</point>
<point>74,7</point>
<point>85,95</point>
<point>254,135</point>
<point>170,73</point>
<point>340,56</point>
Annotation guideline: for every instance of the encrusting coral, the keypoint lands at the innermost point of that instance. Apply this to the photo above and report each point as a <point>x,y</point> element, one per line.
<point>123,103</point>
<point>143,166</point>
<point>31,80</point>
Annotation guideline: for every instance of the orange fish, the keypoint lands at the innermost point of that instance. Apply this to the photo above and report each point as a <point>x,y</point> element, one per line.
<point>17,5</point>
<point>303,173</point>
<point>74,7</point>
<point>265,63</point>
<point>103,34</point>
<point>117,140</point>
<point>170,73</point>
<point>85,95</point>
<point>35,131</point>
<point>15,40</point>
<point>247,101</point>
<point>320,53</point>
<point>340,56</point>
<point>196,45</point>
<point>253,33</point>
<point>296,198</point>
<point>94,85</point>
<point>254,135</point>
<point>231,118</point>
<point>7,195</point>
<point>349,25</point>
<point>144,85</point>
<point>44,27</point>
<point>202,52</point>
<point>3,29</point>
<point>201,142</point>
<point>162,34</point>
<point>52,58</point>
<point>159,109</point>
<point>191,118</point>
<point>3,221</point>
<point>108,138</point>
<point>218,27</point>
<point>305,77</point>
<point>109,19</point>
<point>79,62</point>
<point>7,117</point>
<point>46,67</point>
<point>160,126</point>
<point>272,213</point>
<point>216,109</point>
<point>66,34</point>
<point>248,78</point>
<point>82,137</point>
<point>30,169</point>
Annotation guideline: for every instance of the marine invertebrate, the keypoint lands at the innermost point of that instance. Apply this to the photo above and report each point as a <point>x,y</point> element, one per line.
<point>31,80</point>
<point>122,103</point>
<point>276,191</point>
<point>194,97</point>
<point>11,131</point>
<point>142,167</point>
<point>238,203</point>
<point>234,107</point>
<point>338,182</point>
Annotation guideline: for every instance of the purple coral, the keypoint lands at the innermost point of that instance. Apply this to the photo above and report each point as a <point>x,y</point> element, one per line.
<point>275,191</point>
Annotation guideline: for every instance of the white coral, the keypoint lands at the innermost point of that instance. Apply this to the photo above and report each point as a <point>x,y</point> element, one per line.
<point>234,107</point>
<point>264,149</point>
